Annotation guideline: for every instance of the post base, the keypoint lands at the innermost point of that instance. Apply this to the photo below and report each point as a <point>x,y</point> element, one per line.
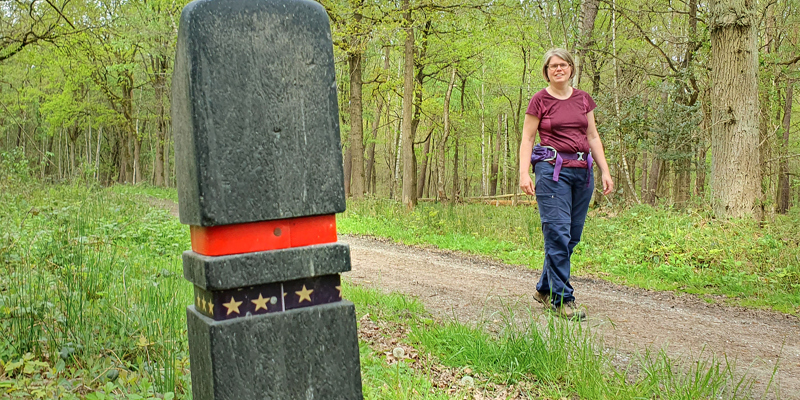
<point>306,353</point>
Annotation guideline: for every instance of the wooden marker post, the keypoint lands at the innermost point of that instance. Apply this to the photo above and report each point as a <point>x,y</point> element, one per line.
<point>260,179</point>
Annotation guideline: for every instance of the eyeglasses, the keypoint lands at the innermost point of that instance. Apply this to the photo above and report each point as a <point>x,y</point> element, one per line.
<point>554,67</point>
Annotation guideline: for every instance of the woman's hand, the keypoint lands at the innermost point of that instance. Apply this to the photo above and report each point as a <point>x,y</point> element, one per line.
<point>527,186</point>
<point>608,183</point>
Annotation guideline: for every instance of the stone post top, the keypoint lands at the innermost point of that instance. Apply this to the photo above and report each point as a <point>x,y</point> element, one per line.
<point>255,113</point>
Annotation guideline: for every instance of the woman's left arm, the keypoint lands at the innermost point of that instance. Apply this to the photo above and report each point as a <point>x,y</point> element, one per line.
<point>597,153</point>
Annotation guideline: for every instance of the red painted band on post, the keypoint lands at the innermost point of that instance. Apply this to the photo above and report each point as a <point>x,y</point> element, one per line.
<point>264,235</point>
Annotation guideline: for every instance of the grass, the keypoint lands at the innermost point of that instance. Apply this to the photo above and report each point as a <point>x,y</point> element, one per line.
<point>653,248</point>
<point>544,357</point>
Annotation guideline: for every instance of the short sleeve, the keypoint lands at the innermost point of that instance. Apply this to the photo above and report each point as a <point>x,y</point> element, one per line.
<point>535,107</point>
<point>588,103</point>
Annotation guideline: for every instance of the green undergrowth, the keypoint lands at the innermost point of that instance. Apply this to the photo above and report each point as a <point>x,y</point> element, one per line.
<point>92,298</point>
<point>91,294</point>
<point>649,247</point>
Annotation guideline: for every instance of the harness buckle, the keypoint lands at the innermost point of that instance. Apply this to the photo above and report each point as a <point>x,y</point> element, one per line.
<point>555,153</point>
<point>580,155</point>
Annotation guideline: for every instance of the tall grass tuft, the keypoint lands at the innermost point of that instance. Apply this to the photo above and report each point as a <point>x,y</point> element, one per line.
<point>563,358</point>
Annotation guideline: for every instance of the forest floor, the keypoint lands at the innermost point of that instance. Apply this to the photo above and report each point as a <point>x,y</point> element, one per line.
<point>476,290</point>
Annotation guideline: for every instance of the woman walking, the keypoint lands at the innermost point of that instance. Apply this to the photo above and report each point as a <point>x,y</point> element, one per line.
<point>562,162</point>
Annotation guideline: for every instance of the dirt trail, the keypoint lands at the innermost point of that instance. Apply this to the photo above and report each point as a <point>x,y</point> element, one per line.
<point>472,289</point>
<point>453,285</point>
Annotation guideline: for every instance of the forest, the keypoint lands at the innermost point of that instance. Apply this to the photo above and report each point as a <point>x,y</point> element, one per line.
<point>695,99</point>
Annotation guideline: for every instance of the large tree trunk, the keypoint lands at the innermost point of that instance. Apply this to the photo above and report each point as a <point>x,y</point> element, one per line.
<point>734,108</point>
<point>442,148</point>
<point>409,192</point>
<point>783,176</point>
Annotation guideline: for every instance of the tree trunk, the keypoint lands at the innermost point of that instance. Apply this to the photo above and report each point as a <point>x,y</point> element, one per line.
<point>442,148</point>
<point>370,170</point>
<point>702,147</point>
<point>587,16</point>
<point>484,167</point>
<point>123,155</point>
<point>167,147</point>
<point>423,171</point>
<point>496,157</point>
<point>398,151</point>
<point>354,59</point>
<point>700,170</point>
<point>783,176</point>
<point>137,152</point>
<point>48,169</point>
<point>654,176</point>
<point>643,179</point>
<point>409,194</point>
<point>456,192</point>
<point>734,115</point>
<point>159,86</point>
<point>348,168</point>
<point>504,159</point>
<point>682,181</point>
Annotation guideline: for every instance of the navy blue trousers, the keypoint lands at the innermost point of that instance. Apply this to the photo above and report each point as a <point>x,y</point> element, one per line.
<point>562,208</point>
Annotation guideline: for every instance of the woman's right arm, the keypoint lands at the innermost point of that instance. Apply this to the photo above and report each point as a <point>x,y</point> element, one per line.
<point>529,129</point>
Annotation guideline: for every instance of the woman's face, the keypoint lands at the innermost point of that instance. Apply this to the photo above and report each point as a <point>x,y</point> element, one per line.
<point>558,70</point>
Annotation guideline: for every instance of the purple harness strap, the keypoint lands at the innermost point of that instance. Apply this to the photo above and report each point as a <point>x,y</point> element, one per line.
<point>547,153</point>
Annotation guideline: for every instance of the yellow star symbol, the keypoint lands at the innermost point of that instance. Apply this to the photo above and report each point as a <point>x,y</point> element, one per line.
<point>339,288</point>
<point>232,306</point>
<point>305,294</point>
<point>211,307</point>
<point>197,301</point>
<point>203,302</point>
<point>260,302</point>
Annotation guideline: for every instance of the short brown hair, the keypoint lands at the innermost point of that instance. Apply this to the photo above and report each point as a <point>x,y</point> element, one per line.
<point>562,54</point>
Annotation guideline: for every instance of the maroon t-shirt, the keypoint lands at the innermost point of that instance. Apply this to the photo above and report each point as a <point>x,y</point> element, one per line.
<point>563,123</point>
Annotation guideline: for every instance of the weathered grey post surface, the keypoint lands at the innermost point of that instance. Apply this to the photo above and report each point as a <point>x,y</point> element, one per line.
<point>260,179</point>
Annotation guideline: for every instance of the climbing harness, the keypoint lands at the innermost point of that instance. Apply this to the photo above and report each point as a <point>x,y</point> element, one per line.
<point>548,153</point>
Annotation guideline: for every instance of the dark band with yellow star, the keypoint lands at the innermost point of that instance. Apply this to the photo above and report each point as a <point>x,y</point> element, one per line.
<point>273,297</point>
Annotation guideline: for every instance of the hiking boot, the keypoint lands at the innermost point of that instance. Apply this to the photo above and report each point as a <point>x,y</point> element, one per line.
<point>569,310</point>
<point>543,298</point>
